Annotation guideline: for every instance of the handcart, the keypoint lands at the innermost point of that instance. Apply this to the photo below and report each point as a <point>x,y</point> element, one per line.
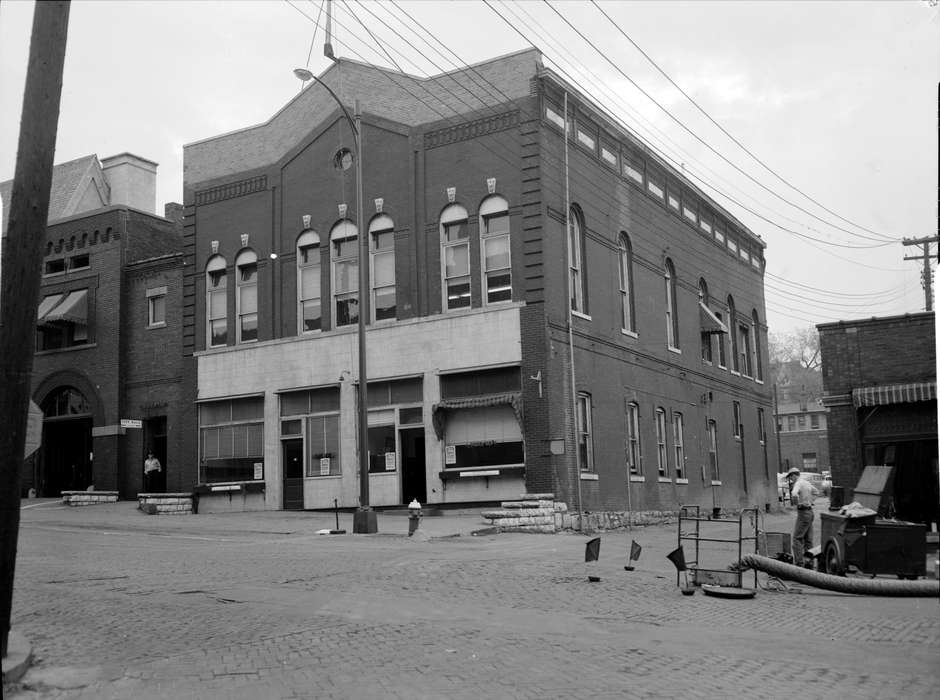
<point>740,531</point>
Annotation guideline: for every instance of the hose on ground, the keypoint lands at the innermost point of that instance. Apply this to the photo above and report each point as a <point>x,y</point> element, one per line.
<point>842,584</point>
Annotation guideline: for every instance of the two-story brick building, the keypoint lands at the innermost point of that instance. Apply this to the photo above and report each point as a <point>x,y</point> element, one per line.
<point>545,314</point>
<point>108,344</point>
<point>880,380</point>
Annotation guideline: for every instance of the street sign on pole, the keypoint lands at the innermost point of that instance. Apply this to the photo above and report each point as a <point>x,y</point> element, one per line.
<point>33,429</point>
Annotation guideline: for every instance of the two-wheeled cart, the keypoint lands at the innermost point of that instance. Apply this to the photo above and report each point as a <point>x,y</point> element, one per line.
<point>739,535</point>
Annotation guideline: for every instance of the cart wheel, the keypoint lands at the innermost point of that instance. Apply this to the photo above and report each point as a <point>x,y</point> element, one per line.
<point>833,558</point>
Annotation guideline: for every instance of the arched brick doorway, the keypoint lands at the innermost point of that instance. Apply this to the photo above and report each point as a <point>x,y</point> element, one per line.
<point>66,460</point>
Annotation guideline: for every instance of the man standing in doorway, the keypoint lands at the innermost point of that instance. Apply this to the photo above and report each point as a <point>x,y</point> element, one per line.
<point>152,469</point>
<point>803,494</point>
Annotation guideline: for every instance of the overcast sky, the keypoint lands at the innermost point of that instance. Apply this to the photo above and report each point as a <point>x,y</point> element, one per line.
<point>838,99</point>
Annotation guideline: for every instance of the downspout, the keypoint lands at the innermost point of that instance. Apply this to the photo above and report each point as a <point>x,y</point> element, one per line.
<point>568,253</point>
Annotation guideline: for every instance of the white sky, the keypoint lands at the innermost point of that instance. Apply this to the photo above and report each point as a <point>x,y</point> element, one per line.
<point>839,98</point>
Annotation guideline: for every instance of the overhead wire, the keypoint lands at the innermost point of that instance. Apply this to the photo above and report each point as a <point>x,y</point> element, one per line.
<point>698,138</point>
<point>725,132</point>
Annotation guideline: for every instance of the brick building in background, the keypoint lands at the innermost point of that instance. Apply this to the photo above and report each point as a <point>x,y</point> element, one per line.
<point>804,442</point>
<point>108,343</point>
<point>880,382</point>
<point>508,351</point>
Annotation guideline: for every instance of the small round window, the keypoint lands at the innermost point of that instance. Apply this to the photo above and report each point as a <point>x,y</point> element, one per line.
<point>343,159</point>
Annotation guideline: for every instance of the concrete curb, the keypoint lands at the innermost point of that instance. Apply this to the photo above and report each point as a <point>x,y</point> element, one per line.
<point>18,659</point>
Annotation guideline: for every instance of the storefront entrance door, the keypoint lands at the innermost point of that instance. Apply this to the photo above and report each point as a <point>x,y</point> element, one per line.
<point>292,462</point>
<point>413,476</point>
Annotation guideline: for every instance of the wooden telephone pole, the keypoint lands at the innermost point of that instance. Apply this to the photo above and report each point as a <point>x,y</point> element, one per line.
<point>926,275</point>
<point>22,263</point>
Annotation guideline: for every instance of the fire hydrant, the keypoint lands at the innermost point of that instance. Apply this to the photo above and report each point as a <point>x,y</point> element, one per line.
<point>414,516</point>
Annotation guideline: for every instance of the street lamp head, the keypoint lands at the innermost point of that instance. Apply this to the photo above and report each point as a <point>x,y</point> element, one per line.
<point>303,74</point>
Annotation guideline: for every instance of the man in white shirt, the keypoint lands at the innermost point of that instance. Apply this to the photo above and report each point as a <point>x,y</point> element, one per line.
<point>802,494</point>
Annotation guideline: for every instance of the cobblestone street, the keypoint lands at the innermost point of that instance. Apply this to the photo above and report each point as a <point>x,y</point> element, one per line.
<point>121,605</point>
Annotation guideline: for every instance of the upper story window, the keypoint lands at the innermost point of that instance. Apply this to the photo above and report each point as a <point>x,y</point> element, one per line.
<point>62,320</point>
<point>156,306</point>
<point>587,135</point>
<point>382,252</point>
<point>712,428</point>
<point>216,302</point>
<point>722,360</point>
<point>736,416</point>
<point>79,262</point>
<point>706,336</point>
<point>633,437</point>
<point>554,115</point>
<point>633,169</point>
<point>744,347</point>
<point>791,423</point>
<point>814,421</point>
<point>672,317</point>
<point>585,440</point>
<point>609,154</point>
<point>455,257</point>
<point>758,362</point>
<point>661,459</point>
<point>761,434</point>
<point>309,309</point>
<point>344,248</point>
<point>494,240</point>
<point>627,315</point>
<point>688,210</point>
<point>719,235</point>
<point>732,323</point>
<point>678,443</point>
<point>575,260</point>
<point>246,295</point>
<point>655,184</point>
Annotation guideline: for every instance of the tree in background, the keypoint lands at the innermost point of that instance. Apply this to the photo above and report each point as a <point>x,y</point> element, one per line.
<point>795,364</point>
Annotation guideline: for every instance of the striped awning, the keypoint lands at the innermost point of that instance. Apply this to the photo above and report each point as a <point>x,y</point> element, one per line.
<point>709,321</point>
<point>894,393</point>
<point>439,410</point>
<point>72,309</point>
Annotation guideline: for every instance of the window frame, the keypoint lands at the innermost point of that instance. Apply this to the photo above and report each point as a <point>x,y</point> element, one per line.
<point>634,445</point>
<point>216,267</point>
<point>578,289</point>
<point>493,207</point>
<point>246,262</point>
<point>452,215</point>
<point>585,423</point>
<point>230,424</point>
<point>662,455</point>
<point>309,240</point>
<point>732,324</point>
<point>381,225</point>
<point>711,432</point>
<point>671,307</point>
<point>737,428</point>
<point>627,309</point>
<point>707,354</point>
<point>340,234</point>
<point>678,443</point>
<point>154,296</point>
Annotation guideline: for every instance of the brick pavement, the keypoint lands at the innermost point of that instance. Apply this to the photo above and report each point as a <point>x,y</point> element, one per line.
<point>121,605</point>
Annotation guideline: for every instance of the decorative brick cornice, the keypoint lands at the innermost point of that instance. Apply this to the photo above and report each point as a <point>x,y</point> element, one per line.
<point>231,190</point>
<point>471,130</point>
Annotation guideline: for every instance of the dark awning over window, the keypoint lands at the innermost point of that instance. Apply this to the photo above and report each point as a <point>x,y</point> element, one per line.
<point>709,321</point>
<point>894,393</point>
<point>47,304</point>
<point>439,410</point>
<point>73,309</point>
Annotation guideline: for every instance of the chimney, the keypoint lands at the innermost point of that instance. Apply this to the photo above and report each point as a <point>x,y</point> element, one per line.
<point>133,181</point>
<point>174,212</point>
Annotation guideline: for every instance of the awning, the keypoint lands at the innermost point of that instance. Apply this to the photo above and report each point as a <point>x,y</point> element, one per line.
<point>47,304</point>
<point>439,410</point>
<point>894,393</point>
<point>709,321</point>
<point>73,309</point>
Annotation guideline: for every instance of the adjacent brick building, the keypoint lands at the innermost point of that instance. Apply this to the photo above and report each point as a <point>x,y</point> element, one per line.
<point>880,383</point>
<point>544,315</point>
<point>804,442</point>
<point>108,347</point>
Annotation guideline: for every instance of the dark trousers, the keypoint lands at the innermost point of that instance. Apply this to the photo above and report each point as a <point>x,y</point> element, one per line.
<point>152,482</point>
<point>802,535</point>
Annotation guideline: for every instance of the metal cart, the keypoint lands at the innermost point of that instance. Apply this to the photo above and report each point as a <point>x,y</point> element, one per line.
<point>870,543</point>
<point>693,527</point>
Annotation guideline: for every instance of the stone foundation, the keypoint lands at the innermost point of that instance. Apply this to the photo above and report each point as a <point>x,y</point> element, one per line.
<point>165,503</point>
<point>88,498</point>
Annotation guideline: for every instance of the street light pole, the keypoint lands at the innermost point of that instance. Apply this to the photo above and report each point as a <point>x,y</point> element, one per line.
<point>364,519</point>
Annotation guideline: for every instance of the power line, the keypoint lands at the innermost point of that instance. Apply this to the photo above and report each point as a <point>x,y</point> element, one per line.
<point>725,132</point>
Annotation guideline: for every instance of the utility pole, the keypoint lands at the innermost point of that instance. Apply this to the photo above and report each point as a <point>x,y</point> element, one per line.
<point>926,276</point>
<point>22,263</point>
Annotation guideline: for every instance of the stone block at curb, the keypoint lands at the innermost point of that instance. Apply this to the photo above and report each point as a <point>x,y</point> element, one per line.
<point>165,503</point>
<point>515,513</point>
<point>88,498</point>
<point>18,659</point>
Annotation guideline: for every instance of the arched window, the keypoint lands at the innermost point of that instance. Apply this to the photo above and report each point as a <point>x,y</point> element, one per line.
<point>634,453</point>
<point>732,330</point>
<point>576,260</point>
<point>626,284</point>
<point>382,252</point>
<point>246,295</point>
<point>66,402</point>
<point>455,257</point>
<point>661,458</point>
<point>494,241</point>
<point>216,302</point>
<point>712,427</point>
<point>758,361</point>
<point>706,336</point>
<point>672,317</point>
<point>309,312</point>
<point>585,438</point>
<point>344,241</point>
<point>678,443</point>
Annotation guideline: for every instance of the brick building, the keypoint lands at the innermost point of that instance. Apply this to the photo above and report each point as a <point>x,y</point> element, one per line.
<point>108,338</point>
<point>545,314</point>
<point>880,382</point>
<point>804,442</point>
